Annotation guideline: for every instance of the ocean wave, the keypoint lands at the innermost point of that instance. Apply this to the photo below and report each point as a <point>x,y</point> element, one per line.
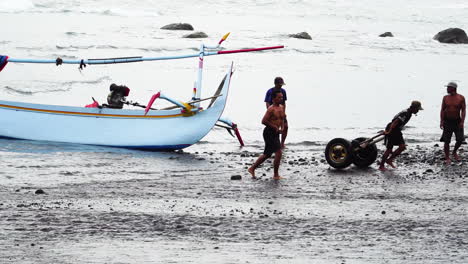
<point>117,12</point>
<point>122,12</point>
<point>423,140</point>
<point>389,48</point>
<point>106,47</point>
<point>113,47</point>
<point>64,57</point>
<point>50,86</point>
<point>75,34</point>
<point>314,128</point>
<point>307,143</point>
<point>10,6</point>
<point>31,48</point>
<point>99,80</point>
<point>74,47</point>
<point>10,90</point>
<point>313,51</point>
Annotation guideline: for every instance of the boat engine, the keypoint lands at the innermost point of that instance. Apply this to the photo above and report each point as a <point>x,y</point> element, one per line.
<point>116,97</point>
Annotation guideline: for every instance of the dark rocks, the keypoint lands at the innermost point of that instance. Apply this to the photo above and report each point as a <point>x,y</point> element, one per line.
<point>196,35</point>
<point>452,35</point>
<point>39,191</point>
<point>386,34</point>
<point>178,26</point>
<point>383,212</point>
<point>236,177</point>
<point>301,35</point>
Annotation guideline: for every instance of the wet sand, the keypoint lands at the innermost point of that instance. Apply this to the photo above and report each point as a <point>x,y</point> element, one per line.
<point>184,208</point>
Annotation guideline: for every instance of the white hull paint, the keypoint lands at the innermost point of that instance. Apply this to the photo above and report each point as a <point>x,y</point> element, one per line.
<point>158,130</point>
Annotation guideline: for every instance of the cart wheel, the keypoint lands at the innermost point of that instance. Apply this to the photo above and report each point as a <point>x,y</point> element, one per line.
<point>363,157</point>
<point>338,153</point>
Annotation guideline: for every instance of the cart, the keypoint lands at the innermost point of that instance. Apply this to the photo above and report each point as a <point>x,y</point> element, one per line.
<point>361,152</point>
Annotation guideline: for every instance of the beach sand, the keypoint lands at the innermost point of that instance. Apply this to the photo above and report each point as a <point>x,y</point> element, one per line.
<point>195,213</point>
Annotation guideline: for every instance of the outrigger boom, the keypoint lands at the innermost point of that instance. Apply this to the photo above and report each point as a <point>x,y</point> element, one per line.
<point>168,128</point>
<point>136,59</point>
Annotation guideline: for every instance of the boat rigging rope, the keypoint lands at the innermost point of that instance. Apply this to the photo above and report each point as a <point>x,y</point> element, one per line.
<point>82,64</point>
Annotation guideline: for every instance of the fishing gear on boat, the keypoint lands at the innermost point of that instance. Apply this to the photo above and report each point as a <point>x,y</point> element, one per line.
<point>138,105</point>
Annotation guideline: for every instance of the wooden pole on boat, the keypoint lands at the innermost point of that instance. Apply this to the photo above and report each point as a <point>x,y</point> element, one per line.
<point>134,59</point>
<point>200,75</point>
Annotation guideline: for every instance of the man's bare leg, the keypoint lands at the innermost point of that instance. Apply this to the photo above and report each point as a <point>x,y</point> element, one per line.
<point>397,152</point>
<point>284,134</point>
<point>276,164</point>
<point>447,154</point>
<point>455,149</point>
<point>390,162</point>
<point>257,163</point>
<point>384,158</point>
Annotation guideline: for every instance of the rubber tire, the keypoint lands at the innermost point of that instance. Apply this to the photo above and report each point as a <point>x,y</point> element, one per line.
<point>363,158</point>
<point>339,162</point>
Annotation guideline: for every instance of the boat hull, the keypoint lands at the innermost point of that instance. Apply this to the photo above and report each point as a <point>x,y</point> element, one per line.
<point>158,130</point>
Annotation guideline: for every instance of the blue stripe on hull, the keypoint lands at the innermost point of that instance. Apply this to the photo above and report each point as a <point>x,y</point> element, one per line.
<point>154,148</point>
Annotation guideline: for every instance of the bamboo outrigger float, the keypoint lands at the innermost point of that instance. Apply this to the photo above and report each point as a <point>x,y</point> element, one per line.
<point>154,129</point>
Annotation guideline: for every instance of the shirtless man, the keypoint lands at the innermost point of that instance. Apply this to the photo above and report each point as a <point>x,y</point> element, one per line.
<point>274,125</point>
<point>452,119</point>
<point>279,82</point>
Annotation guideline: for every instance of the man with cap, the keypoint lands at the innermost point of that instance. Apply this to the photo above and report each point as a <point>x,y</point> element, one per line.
<point>393,135</point>
<point>452,119</point>
<point>279,82</point>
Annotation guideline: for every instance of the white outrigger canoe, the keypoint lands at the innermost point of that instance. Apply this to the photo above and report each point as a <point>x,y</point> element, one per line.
<point>170,129</point>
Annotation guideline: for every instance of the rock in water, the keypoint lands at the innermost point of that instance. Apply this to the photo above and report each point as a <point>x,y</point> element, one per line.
<point>386,34</point>
<point>39,191</point>
<point>196,35</point>
<point>301,35</point>
<point>452,35</point>
<point>178,26</point>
